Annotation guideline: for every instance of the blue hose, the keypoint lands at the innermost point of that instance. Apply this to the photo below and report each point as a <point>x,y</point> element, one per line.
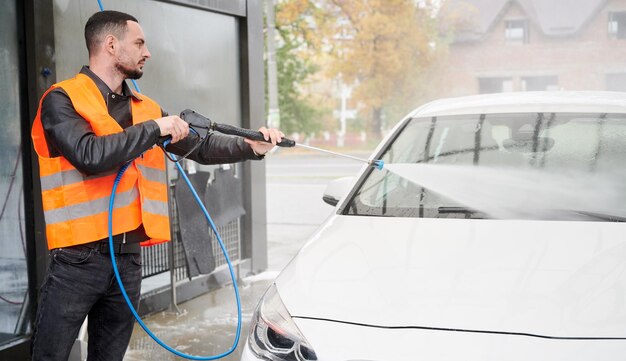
<point>219,239</point>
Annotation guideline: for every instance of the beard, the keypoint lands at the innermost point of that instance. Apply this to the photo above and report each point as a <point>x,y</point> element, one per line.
<point>128,71</point>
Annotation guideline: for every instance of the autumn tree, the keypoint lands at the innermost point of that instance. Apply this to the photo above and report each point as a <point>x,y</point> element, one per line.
<point>382,47</point>
<point>294,65</point>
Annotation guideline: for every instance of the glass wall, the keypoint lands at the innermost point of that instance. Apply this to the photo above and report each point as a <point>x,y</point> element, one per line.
<point>195,64</point>
<point>195,54</point>
<point>13,274</point>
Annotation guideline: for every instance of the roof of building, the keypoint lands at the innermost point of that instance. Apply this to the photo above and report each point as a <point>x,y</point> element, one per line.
<point>553,17</point>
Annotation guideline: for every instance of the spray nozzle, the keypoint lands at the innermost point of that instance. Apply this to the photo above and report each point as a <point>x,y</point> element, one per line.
<point>378,164</point>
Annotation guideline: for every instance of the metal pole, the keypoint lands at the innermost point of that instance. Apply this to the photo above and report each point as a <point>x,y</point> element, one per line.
<point>342,115</point>
<point>172,244</point>
<point>272,77</point>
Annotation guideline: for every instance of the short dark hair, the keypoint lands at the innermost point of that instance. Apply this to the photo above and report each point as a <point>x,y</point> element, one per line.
<point>103,23</point>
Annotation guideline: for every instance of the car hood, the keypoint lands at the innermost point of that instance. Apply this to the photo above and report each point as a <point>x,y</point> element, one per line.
<point>546,278</point>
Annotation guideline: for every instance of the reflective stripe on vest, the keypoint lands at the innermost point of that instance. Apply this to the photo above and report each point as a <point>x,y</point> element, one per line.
<point>70,176</point>
<point>66,177</point>
<point>76,205</point>
<point>91,208</point>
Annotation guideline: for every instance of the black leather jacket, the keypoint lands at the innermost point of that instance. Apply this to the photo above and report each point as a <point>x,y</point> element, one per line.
<point>68,134</point>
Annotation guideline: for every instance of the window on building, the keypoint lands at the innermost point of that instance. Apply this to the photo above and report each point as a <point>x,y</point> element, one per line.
<point>616,82</point>
<point>516,31</point>
<point>495,85</point>
<point>617,25</point>
<point>539,83</point>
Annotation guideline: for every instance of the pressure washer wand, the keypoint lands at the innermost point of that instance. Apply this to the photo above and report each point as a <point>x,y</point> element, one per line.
<point>376,163</point>
<point>197,120</point>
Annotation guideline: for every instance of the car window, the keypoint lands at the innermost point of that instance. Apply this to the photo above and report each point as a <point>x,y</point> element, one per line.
<point>551,166</point>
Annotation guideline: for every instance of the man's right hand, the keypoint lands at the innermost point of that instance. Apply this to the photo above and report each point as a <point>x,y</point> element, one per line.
<point>174,126</point>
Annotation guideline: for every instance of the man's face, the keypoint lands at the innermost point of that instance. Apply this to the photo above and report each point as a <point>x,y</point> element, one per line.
<point>133,52</point>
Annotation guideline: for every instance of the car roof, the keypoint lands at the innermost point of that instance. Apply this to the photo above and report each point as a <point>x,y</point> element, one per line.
<point>527,102</point>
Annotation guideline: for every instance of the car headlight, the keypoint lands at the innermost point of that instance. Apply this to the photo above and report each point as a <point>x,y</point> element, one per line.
<point>273,334</point>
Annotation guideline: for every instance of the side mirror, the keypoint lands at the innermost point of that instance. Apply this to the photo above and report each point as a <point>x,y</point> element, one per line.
<point>337,189</point>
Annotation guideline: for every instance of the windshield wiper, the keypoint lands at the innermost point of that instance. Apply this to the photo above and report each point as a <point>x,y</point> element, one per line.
<point>468,212</point>
<point>471,212</point>
<point>601,216</point>
<point>462,210</point>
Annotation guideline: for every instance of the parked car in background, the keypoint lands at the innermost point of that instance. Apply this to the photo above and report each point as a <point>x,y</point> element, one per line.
<point>495,231</point>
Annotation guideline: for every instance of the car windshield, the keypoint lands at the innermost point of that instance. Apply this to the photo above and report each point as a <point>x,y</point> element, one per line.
<point>546,166</point>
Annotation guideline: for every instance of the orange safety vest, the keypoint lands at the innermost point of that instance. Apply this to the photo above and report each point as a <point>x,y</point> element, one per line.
<point>76,205</point>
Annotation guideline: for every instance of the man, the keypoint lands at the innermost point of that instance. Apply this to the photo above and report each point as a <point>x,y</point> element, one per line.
<point>86,128</point>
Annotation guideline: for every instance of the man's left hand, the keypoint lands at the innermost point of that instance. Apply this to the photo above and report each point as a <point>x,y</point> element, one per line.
<point>272,135</point>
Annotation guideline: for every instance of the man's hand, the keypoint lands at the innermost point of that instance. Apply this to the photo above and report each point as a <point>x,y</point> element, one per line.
<point>272,135</point>
<point>174,126</point>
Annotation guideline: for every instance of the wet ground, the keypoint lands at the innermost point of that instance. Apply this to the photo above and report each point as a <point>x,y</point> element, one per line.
<point>207,324</point>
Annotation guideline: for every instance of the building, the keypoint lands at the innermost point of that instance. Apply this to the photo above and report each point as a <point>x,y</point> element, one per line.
<point>206,55</point>
<point>517,45</point>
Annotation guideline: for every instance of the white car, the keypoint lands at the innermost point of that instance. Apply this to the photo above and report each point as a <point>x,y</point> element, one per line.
<point>494,231</point>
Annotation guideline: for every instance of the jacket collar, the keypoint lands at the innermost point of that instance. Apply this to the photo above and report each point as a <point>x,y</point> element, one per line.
<point>104,88</point>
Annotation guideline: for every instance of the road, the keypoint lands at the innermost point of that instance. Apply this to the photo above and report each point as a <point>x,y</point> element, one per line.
<point>295,185</point>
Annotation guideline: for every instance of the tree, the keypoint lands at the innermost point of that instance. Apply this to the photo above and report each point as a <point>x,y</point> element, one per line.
<point>382,47</point>
<point>296,112</point>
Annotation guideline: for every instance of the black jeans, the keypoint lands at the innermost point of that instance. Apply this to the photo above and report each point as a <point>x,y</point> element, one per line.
<point>81,282</point>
